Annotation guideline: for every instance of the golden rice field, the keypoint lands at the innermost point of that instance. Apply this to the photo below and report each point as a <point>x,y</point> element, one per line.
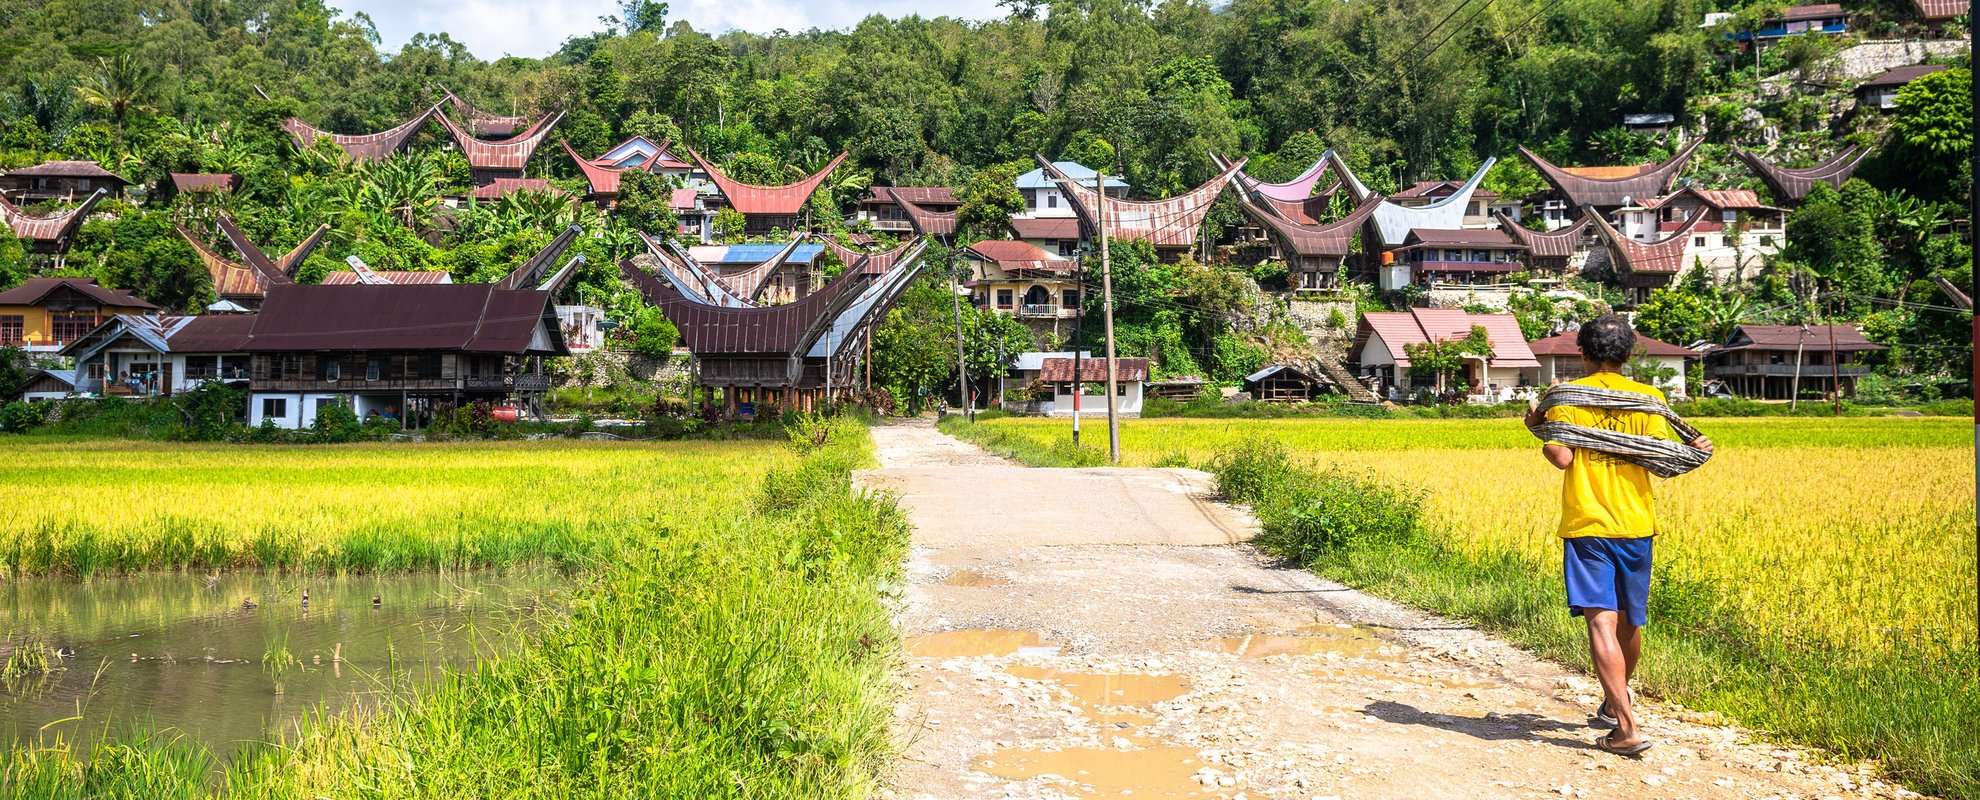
<point>1856,532</point>
<point>100,505</point>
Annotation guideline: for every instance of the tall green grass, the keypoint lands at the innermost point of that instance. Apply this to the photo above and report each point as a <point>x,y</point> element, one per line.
<point>741,651</point>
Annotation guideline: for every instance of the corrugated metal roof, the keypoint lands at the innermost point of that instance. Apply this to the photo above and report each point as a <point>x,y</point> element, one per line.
<point>1787,337</point>
<point>1792,184</point>
<point>1013,256</point>
<point>1560,243</point>
<point>1046,227</point>
<point>460,317</point>
<point>396,277</point>
<point>752,331</point>
<point>1939,9</point>
<point>1060,370</point>
<point>1035,361</point>
<point>1660,257</point>
<point>1899,76</point>
<point>1563,344</point>
<point>1332,240</point>
<point>363,147</point>
<point>788,199</point>
<point>67,169</point>
<point>754,253</point>
<point>1481,238</point>
<point>1582,190</point>
<point>1170,222</point>
<point>494,190</point>
<point>59,227</point>
<point>1293,191</point>
<point>506,154</point>
<point>195,183</point>
<point>1037,179</point>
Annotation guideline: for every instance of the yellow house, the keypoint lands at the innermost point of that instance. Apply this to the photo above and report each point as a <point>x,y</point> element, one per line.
<point>44,314</point>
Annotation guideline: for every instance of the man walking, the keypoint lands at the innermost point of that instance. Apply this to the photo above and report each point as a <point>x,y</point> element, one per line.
<point>1608,525</point>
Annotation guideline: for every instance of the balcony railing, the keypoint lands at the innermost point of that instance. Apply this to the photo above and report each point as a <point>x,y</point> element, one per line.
<point>527,382</point>
<point>1807,370</point>
<point>1045,310</point>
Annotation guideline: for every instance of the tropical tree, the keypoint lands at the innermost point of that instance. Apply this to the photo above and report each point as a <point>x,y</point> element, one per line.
<point>120,86</point>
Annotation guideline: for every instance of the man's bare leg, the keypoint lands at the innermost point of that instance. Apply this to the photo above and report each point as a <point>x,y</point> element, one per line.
<point>1612,667</point>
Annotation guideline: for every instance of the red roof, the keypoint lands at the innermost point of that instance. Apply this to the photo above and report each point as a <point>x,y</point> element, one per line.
<point>206,182</point>
<point>1171,222</point>
<point>1012,256</point>
<point>67,169</point>
<point>469,317</point>
<point>506,154</point>
<point>363,146</point>
<point>502,186</point>
<point>1331,240</point>
<point>35,290</point>
<point>1661,257</point>
<point>682,199</point>
<point>1046,227</point>
<point>397,277</point>
<point>1482,238</point>
<point>919,195</point>
<point>1563,344</point>
<point>1939,9</point>
<point>788,199</point>
<point>1092,370</point>
<point>1716,198</point>
<point>1421,325</point>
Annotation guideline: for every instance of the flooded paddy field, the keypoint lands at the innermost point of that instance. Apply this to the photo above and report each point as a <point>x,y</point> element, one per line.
<point>232,659</point>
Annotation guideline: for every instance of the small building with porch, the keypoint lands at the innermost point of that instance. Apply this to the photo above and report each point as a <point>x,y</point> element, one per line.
<point>1761,361</point>
<point>1381,338</point>
<point>1090,380</point>
<point>65,181</point>
<point>1020,280</point>
<point>44,315</point>
<point>1468,257</point>
<point>887,208</point>
<point>1881,90</point>
<point>1560,361</point>
<point>163,356</point>
<point>1285,383</point>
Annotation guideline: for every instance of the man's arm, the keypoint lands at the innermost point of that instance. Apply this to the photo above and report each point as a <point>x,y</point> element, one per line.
<point>1559,455</point>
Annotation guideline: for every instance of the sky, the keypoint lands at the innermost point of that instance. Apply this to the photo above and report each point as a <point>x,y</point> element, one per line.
<point>536,28</point>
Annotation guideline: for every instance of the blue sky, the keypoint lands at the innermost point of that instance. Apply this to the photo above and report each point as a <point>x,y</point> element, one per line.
<point>535,28</point>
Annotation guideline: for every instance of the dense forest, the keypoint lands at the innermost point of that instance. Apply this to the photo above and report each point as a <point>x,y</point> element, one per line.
<point>1407,90</point>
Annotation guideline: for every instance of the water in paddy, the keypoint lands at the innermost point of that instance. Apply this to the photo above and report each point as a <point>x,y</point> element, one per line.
<point>237,658</point>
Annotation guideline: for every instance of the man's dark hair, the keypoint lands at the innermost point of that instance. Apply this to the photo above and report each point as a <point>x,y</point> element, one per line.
<point>1606,340</point>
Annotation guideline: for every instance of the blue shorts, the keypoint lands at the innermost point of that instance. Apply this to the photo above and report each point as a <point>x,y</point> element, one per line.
<point>1611,574</point>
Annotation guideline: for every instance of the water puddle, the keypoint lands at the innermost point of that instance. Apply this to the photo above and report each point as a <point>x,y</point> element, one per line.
<point>1147,770</point>
<point>235,658</point>
<point>1311,640</point>
<point>973,578</point>
<point>1101,691</point>
<point>980,642</point>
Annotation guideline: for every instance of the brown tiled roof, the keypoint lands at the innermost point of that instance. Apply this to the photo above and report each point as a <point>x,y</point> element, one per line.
<point>59,227</point>
<point>1939,9</point>
<point>1421,325</point>
<point>1786,337</point>
<point>396,277</point>
<point>788,199</point>
<point>1790,185</point>
<point>1483,239</point>
<point>1045,227</point>
<point>864,262</point>
<point>927,222</point>
<point>1714,198</point>
<point>1899,76</point>
<point>1172,222</point>
<point>1559,243</point>
<point>481,122</point>
<point>510,153</point>
<point>199,182</point>
<point>919,195</point>
<point>365,146</point>
<point>1816,11</point>
<point>1014,256</point>
<point>67,169</point>
<point>1092,370</point>
<point>233,279</point>
<point>1661,257</point>
<point>1563,344</point>
<point>1613,192</point>
<point>1331,240</point>
<point>35,289</point>
<point>501,186</point>
<point>475,318</point>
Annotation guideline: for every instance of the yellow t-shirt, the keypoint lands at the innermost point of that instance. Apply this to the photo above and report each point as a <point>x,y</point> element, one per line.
<point>1602,495</point>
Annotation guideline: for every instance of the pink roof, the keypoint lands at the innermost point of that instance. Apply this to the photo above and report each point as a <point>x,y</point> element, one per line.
<point>682,199</point>
<point>1012,255</point>
<point>397,277</point>
<point>1046,227</point>
<point>1421,325</point>
<point>1563,344</point>
<point>205,182</point>
<point>1716,198</point>
<point>788,199</point>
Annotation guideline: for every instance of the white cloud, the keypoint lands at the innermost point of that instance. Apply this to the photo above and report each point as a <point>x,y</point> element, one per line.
<point>536,28</point>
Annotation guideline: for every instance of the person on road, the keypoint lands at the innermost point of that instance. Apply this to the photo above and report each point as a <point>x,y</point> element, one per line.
<point>1608,525</point>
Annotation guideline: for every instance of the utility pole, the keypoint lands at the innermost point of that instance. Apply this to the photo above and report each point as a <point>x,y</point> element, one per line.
<point>1079,334</point>
<point>1835,370</point>
<point>962,367</point>
<point>1794,390</point>
<point>1107,315</point>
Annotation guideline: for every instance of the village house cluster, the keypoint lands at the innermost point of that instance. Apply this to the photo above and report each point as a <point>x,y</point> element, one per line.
<point>764,325</point>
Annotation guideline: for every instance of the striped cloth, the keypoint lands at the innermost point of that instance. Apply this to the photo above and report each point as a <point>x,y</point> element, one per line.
<point>1661,456</point>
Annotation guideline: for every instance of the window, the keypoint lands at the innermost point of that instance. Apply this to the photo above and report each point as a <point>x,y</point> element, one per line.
<point>94,371</point>
<point>1067,247</point>
<point>1697,241</point>
<point>274,407</point>
<point>329,368</point>
<point>1003,298</point>
<point>429,366</point>
<point>1030,198</point>
<point>1069,298</point>
<point>1052,200</point>
<point>13,329</point>
<point>1766,241</point>
<point>374,367</point>
<point>67,328</point>
<point>1728,216</point>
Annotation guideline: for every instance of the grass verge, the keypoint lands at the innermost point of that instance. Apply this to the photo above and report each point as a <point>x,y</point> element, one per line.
<point>744,651</point>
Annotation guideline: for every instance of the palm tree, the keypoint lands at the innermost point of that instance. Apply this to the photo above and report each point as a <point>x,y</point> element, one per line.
<point>120,86</point>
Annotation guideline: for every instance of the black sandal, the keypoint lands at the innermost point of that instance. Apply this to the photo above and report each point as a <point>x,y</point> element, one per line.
<point>1633,751</point>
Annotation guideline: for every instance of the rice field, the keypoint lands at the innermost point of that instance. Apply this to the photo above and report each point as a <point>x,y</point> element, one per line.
<point>111,505</point>
<point>1855,532</point>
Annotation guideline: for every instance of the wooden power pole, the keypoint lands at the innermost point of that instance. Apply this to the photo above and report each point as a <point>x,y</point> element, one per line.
<point>1107,316</point>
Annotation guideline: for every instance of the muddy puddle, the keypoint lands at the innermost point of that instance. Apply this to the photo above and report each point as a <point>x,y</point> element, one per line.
<point>232,659</point>
<point>1094,690</point>
<point>973,578</point>
<point>980,642</point>
<point>1142,769</point>
<point>1346,641</point>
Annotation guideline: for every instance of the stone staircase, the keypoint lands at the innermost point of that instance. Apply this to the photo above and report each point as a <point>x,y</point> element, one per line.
<point>1339,374</point>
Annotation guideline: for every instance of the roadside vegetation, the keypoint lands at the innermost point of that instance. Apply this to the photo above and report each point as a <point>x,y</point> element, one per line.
<point>1815,581</point>
<point>734,644</point>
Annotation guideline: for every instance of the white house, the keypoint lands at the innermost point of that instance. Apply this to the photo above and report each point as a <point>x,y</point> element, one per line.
<point>1381,337</point>
<point>1057,372</point>
<point>1737,231</point>
<point>144,356</point>
<point>1042,198</point>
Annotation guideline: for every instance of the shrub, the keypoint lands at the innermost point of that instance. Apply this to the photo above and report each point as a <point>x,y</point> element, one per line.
<point>1305,514</point>
<point>19,417</point>
<point>336,423</point>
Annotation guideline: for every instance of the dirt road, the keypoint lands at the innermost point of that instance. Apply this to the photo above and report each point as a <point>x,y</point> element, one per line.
<point>1100,633</point>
